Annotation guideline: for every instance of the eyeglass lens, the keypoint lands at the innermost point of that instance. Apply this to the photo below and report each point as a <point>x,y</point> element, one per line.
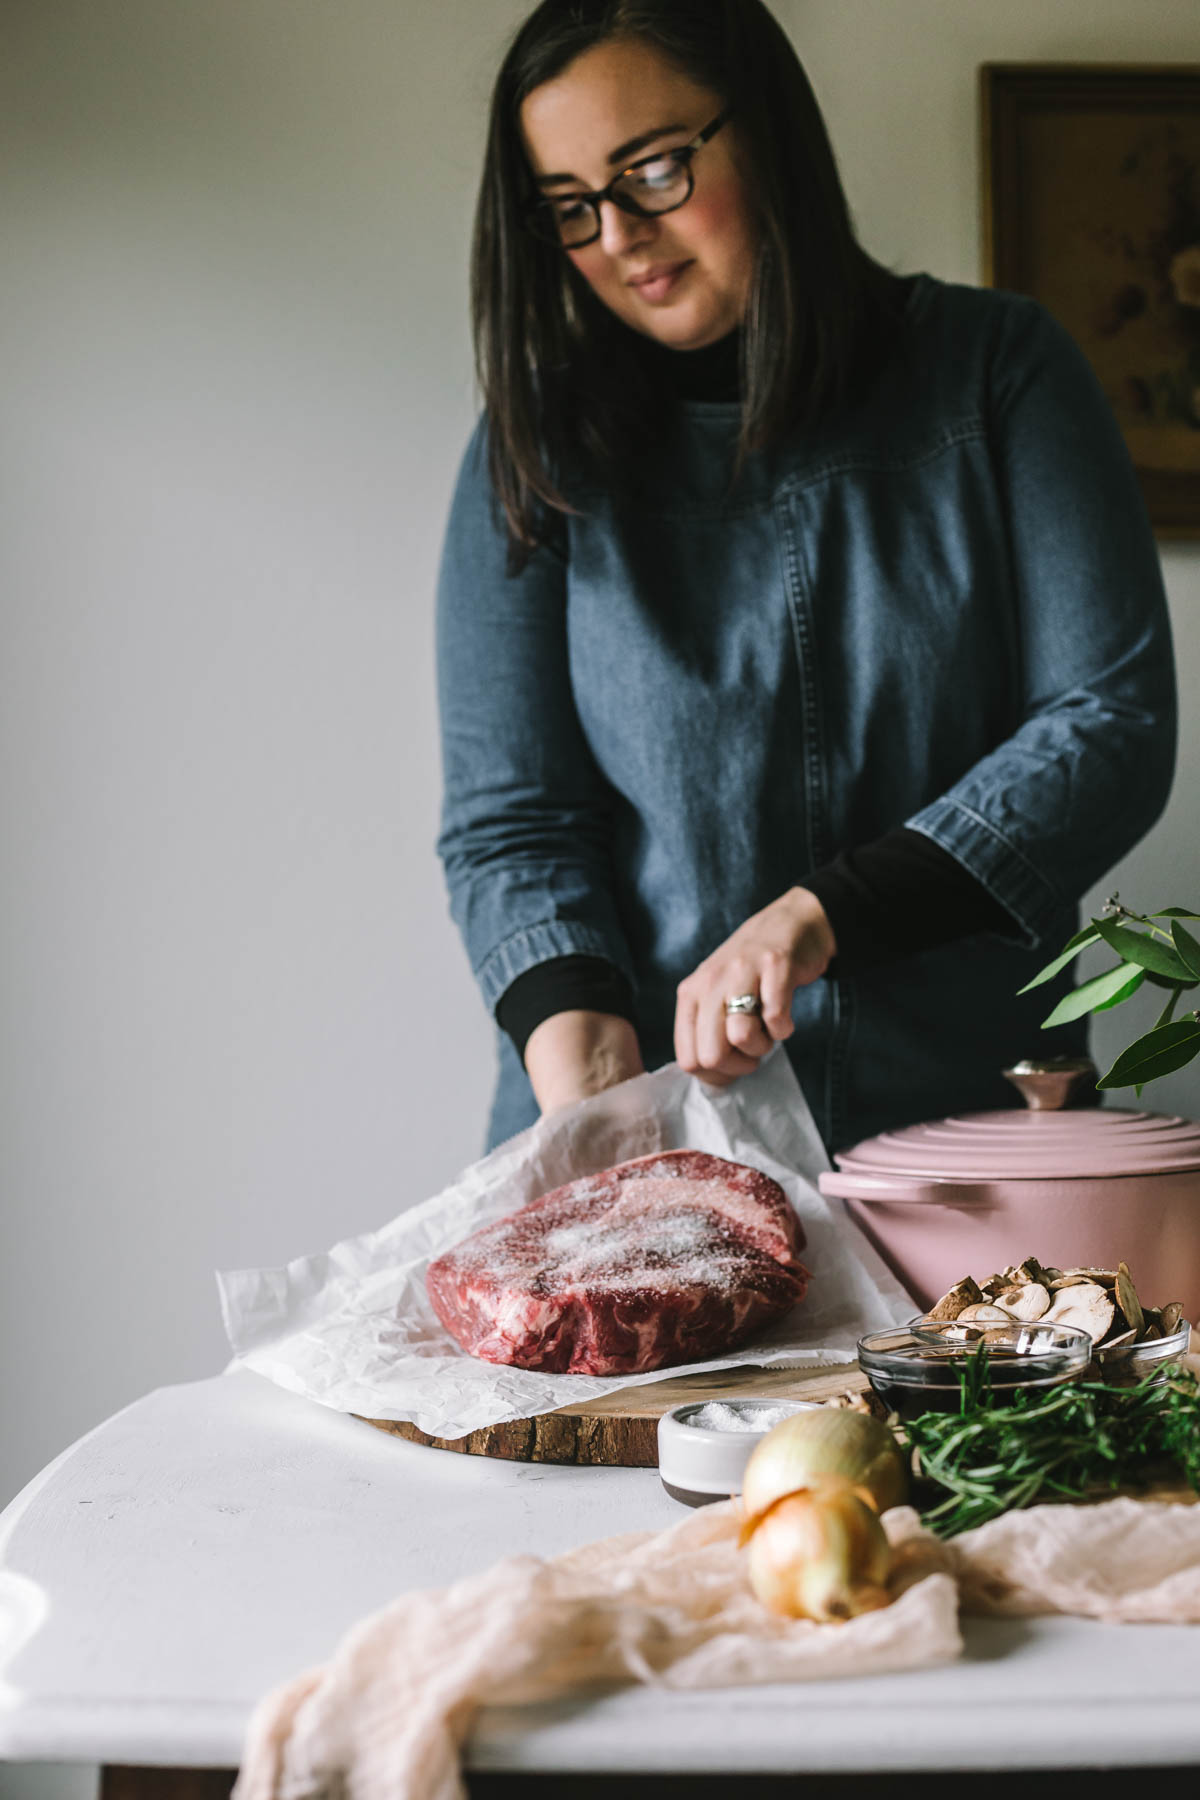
<point>653,187</point>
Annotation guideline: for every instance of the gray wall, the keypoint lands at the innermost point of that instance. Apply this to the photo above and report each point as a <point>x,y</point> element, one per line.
<point>236,1023</point>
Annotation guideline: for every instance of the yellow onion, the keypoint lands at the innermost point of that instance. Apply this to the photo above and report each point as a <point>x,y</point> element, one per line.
<point>830,1441</point>
<point>820,1553</point>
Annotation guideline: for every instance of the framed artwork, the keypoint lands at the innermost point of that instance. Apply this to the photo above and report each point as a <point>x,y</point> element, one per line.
<point>1091,184</point>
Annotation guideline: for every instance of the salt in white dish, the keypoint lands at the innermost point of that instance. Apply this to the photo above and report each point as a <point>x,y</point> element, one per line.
<point>700,1463</point>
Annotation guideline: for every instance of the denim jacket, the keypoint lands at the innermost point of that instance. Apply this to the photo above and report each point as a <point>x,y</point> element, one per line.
<point>945,610</point>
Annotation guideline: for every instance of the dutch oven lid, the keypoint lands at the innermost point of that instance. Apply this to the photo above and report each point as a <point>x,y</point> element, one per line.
<point>1048,1139</point>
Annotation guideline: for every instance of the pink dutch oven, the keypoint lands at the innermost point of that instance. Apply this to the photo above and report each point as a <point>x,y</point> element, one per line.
<point>1088,1186</point>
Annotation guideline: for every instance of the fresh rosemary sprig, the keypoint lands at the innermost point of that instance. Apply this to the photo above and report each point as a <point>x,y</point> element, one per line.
<point>1073,1442</point>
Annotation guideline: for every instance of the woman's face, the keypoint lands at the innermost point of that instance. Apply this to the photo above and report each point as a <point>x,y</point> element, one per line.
<point>684,276</point>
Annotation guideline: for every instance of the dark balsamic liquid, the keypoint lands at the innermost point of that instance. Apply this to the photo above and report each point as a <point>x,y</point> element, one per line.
<point>939,1390</point>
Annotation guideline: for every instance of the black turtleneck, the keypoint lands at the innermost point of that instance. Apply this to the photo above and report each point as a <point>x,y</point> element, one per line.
<point>711,373</point>
<point>899,894</point>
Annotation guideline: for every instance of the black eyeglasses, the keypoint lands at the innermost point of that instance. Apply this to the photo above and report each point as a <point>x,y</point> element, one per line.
<point>654,184</point>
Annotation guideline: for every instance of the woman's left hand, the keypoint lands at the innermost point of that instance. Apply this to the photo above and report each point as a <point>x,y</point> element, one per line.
<point>781,948</point>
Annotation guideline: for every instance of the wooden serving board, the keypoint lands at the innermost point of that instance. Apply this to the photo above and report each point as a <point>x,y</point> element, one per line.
<point>621,1429</point>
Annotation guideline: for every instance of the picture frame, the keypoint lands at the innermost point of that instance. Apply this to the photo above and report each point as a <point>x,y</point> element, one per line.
<point>1091,204</point>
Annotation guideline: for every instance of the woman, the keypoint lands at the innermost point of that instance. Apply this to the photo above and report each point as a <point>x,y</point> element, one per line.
<point>803,654</point>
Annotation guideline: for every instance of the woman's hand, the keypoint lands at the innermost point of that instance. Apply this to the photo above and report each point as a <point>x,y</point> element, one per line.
<point>573,1054</point>
<point>781,948</point>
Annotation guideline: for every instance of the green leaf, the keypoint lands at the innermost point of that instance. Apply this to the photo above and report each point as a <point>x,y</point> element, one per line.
<point>1165,981</point>
<point>1175,912</point>
<point>1136,978</point>
<point>1187,946</point>
<point>1147,952</point>
<point>1081,940</point>
<point>1168,1011</point>
<point>1113,986</point>
<point>1160,1052</point>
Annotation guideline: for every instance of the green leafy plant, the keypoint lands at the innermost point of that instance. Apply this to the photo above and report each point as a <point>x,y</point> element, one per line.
<point>1165,955</point>
<point>1073,1442</point>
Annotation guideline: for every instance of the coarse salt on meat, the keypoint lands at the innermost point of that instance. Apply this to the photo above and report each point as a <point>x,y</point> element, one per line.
<point>665,1259</point>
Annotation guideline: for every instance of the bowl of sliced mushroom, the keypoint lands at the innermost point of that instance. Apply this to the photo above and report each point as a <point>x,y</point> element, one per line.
<point>1129,1336</point>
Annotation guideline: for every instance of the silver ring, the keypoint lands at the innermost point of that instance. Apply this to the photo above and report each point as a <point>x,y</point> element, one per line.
<point>742,1003</point>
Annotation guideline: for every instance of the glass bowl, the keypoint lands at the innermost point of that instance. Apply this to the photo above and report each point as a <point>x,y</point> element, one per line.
<point>915,1368</point>
<point>1124,1364</point>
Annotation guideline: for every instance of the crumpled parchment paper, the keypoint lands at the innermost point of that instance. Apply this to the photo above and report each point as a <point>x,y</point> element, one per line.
<point>354,1330</point>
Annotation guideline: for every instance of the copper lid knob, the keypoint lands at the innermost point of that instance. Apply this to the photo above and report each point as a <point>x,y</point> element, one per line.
<point>1056,1083</point>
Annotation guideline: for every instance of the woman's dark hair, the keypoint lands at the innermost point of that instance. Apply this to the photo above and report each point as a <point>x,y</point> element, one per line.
<point>557,369</point>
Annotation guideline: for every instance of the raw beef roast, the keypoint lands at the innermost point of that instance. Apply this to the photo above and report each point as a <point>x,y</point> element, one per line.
<point>666,1259</point>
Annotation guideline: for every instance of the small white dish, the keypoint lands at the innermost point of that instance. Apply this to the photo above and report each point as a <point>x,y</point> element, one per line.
<point>700,1463</point>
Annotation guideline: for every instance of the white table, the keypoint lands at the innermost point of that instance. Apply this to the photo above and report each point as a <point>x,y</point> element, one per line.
<point>215,1538</point>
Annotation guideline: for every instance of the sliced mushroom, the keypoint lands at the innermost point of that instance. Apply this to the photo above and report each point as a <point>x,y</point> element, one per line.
<point>998,1334</point>
<point>964,1293</point>
<point>1027,1302</point>
<point>1172,1318</point>
<point>1127,1298</point>
<point>983,1314</point>
<point>1086,1307</point>
<point>1102,1302</point>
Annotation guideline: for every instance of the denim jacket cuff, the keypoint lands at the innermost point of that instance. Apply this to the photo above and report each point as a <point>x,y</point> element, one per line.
<point>538,943</point>
<point>998,865</point>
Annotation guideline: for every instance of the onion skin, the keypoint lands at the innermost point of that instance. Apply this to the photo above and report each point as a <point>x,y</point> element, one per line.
<point>833,1441</point>
<point>819,1554</point>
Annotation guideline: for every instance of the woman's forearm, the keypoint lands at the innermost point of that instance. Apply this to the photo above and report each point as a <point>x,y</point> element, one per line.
<point>573,1054</point>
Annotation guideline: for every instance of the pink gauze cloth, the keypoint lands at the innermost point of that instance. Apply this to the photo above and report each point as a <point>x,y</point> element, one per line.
<point>385,1718</point>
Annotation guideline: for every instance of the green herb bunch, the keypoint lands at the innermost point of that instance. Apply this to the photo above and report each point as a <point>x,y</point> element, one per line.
<point>1167,956</point>
<point>1074,1442</point>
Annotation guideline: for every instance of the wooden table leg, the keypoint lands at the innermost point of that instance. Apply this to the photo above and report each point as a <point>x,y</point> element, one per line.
<point>119,1782</point>
<point>908,1784</point>
<point>125,1782</point>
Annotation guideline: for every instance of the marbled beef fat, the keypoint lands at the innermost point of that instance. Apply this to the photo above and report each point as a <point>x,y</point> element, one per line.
<point>666,1259</point>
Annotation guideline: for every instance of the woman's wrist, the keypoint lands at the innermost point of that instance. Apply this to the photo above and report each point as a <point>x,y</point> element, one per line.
<point>573,1054</point>
<point>814,935</point>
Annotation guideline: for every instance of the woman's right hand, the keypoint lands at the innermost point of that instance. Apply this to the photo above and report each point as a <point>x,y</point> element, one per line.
<point>781,948</point>
<point>572,1055</point>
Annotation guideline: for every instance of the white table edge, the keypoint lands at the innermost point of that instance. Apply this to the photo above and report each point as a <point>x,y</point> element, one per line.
<point>597,1733</point>
<point>842,1725</point>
